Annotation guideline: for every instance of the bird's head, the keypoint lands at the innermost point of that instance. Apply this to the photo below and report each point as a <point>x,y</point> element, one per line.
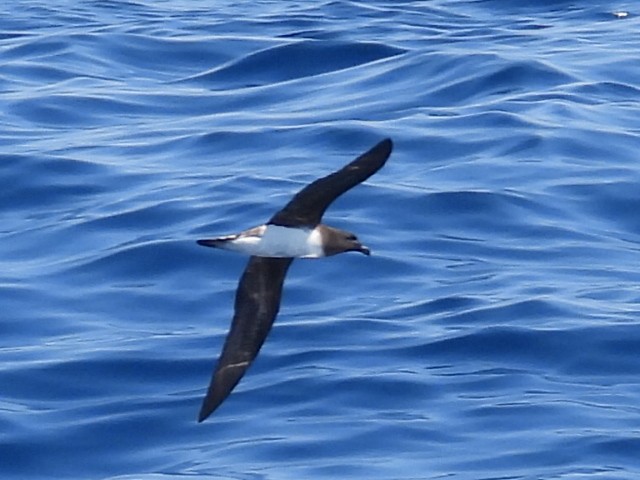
<point>338,241</point>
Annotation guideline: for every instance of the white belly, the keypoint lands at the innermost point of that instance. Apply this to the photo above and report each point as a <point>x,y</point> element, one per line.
<point>277,241</point>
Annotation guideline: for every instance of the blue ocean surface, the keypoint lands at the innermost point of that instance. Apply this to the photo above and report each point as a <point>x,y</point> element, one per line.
<point>494,333</point>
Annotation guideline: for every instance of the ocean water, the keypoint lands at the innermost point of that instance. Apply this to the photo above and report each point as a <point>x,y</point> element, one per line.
<point>494,332</point>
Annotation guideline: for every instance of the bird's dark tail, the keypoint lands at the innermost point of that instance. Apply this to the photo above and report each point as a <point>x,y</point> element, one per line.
<point>218,242</point>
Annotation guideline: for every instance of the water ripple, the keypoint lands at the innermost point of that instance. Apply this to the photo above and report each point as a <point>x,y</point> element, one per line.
<point>493,332</point>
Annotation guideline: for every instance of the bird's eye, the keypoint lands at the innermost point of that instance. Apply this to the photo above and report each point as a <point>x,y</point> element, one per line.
<point>352,237</point>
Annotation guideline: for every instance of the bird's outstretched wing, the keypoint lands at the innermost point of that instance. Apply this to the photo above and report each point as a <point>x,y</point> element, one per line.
<point>308,205</point>
<point>256,306</point>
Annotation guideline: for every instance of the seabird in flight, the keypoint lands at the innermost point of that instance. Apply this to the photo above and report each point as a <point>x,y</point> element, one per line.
<point>293,232</point>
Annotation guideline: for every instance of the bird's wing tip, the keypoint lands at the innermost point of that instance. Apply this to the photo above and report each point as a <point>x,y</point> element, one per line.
<point>383,147</point>
<point>204,414</point>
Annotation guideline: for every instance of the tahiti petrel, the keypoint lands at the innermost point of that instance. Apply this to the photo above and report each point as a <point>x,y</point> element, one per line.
<point>293,232</point>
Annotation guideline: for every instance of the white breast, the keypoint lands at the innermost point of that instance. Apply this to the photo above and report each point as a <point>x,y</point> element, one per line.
<point>277,241</point>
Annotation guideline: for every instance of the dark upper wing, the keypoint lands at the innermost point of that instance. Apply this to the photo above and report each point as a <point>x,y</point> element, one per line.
<point>256,306</point>
<point>308,206</point>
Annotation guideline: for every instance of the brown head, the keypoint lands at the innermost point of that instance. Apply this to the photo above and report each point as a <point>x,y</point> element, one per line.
<point>336,241</point>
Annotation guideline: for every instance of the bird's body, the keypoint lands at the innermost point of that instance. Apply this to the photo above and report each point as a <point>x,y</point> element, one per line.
<point>273,241</point>
<point>293,232</point>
